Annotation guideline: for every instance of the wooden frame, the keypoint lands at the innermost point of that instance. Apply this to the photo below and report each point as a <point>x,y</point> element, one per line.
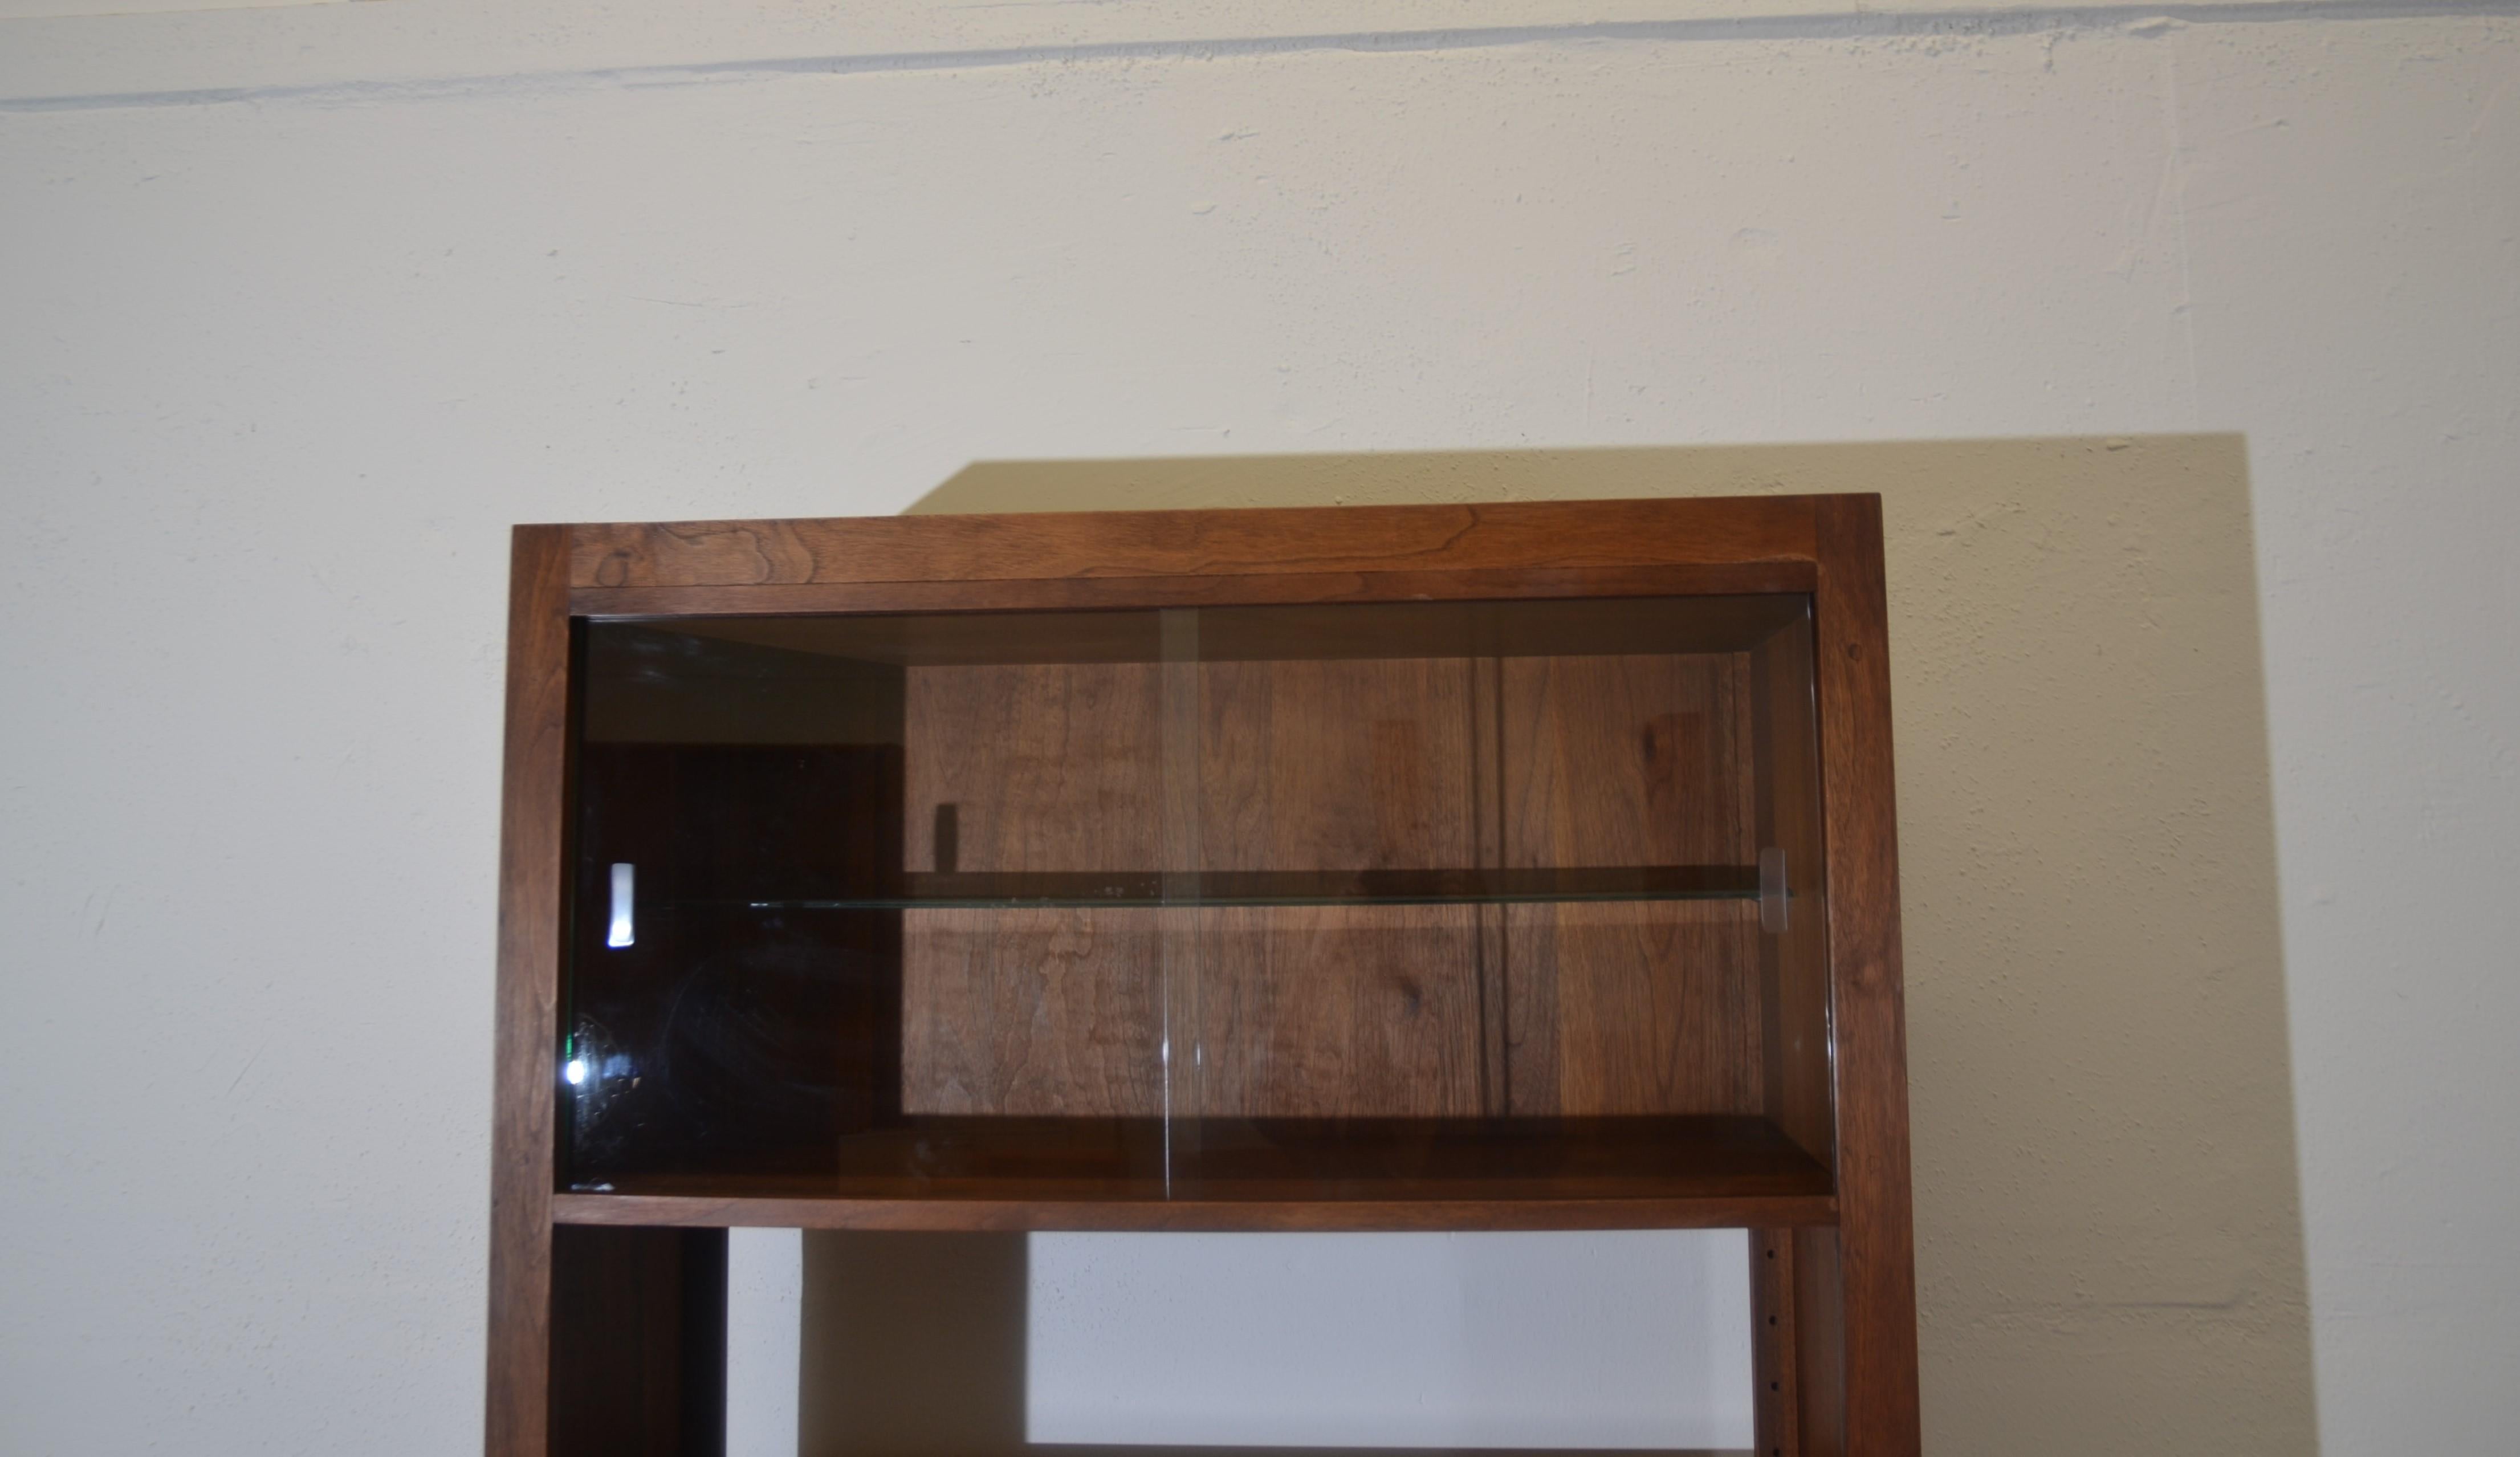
<point>1832,1281</point>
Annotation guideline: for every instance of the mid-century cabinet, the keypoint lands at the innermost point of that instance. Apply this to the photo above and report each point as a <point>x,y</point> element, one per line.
<point>1414,868</point>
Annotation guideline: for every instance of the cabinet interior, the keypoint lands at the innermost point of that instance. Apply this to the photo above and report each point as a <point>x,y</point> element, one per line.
<point>1496,900</point>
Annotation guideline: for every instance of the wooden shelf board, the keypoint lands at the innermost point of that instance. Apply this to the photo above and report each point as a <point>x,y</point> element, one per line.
<point>985,1173</point>
<point>1760,1211</point>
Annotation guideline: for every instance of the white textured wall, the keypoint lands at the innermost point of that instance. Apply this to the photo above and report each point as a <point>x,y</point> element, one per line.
<point>283,361</point>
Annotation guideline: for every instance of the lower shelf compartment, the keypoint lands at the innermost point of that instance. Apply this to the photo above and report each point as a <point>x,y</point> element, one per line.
<point>1255,1173</point>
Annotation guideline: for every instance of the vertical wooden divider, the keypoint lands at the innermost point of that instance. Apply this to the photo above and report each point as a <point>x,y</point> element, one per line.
<point>1820,1316</point>
<point>1775,1364</point>
<point>532,814</point>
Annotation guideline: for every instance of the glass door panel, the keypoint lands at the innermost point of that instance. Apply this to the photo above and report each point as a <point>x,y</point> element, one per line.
<point>1465,900</point>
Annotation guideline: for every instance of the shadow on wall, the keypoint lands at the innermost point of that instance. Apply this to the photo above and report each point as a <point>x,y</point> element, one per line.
<point>2107,1206</point>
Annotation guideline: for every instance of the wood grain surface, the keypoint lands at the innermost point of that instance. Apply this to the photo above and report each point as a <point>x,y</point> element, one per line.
<point>1647,1008</point>
<point>1666,1064</point>
<point>1032,1013</point>
<point>1211,544</point>
<point>978,1173</point>
<point>1335,764</point>
<point>1350,764</point>
<point>1776,1396</point>
<point>705,599</point>
<point>1048,766</point>
<point>1874,1243</point>
<point>1395,1215</point>
<point>1335,1012</point>
<point>533,811</point>
<point>1629,1009</point>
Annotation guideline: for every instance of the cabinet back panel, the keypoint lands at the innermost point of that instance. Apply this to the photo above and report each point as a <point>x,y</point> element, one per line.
<point>1034,766</point>
<point>1032,1013</point>
<point>1647,1008</point>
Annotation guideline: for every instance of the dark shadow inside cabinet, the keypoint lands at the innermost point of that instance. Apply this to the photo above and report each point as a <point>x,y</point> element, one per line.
<point>1488,900</point>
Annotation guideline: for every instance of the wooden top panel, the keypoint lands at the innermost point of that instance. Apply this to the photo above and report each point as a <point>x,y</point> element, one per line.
<point>1193,543</point>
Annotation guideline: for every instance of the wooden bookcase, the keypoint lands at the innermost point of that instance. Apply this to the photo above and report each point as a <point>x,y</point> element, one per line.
<point>1501,867</point>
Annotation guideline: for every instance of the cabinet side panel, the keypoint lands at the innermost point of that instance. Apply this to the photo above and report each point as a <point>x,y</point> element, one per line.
<point>1875,1233</point>
<point>1650,1008</point>
<point>532,813</point>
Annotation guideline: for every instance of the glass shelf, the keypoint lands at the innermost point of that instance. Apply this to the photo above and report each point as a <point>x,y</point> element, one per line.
<point>1089,891</point>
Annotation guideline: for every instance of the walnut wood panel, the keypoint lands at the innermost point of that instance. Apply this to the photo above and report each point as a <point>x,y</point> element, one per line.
<point>1875,1241</point>
<point>638,1343</point>
<point>1775,1370</point>
<point>843,644</point>
<point>1336,1012</point>
<point>1017,1013</point>
<point>1058,1211</point>
<point>1339,764</point>
<point>1630,760</point>
<point>1622,1009</point>
<point>1579,762</point>
<point>1356,764</point>
<point>1821,1356</point>
<point>1193,543</point>
<point>1034,766</point>
<point>1457,629</point>
<point>1794,964</point>
<point>1110,593</point>
<point>532,814</point>
<point>1627,759</point>
<point>986,1166</point>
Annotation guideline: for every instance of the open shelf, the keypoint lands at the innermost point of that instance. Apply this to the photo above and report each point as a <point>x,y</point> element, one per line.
<point>1052,889</point>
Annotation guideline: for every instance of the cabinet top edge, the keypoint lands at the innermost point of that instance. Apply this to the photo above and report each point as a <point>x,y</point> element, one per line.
<point>1655,531</point>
